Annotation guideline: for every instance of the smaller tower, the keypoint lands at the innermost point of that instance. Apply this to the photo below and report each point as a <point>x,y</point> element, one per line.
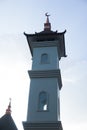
<point>47,47</point>
<point>6,121</point>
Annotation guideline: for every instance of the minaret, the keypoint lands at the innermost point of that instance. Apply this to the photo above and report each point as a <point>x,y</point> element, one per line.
<point>47,48</point>
<point>6,121</point>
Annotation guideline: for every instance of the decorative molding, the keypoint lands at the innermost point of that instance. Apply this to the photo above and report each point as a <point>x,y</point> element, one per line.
<point>44,126</point>
<point>46,74</point>
<point>45,43</point>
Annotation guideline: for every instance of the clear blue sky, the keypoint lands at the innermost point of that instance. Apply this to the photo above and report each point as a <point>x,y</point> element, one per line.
<point>17,16</point>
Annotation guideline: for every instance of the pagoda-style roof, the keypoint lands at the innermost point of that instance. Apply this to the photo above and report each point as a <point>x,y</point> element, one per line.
<point>7,123</point>
<point>47,35</point>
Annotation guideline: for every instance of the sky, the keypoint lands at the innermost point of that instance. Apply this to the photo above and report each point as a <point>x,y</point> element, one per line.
<point>19,16</point>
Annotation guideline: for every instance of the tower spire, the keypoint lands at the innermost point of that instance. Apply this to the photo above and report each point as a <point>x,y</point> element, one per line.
<point>8,110</point>
<point>47,25</point>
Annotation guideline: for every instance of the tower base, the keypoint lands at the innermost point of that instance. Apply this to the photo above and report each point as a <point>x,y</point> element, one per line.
<point>43,126</point>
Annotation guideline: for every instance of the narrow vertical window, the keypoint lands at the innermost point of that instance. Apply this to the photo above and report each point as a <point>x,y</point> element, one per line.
<point>44,58</point>
<point>43,103</point>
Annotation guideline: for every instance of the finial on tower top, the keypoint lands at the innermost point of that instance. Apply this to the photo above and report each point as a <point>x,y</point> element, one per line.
<point>47,15</point>
<point>47,25</point>
<point>8,110</point>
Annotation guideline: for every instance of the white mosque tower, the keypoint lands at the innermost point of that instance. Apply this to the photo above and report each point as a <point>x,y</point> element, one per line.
<point>47,47</point>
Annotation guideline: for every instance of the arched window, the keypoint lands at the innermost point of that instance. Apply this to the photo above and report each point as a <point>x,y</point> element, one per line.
<point>44,58</point>
<point>43,101</point>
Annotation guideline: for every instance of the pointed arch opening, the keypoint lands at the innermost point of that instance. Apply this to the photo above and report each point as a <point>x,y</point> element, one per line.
<point>43,101</point>
<point>44,58</point>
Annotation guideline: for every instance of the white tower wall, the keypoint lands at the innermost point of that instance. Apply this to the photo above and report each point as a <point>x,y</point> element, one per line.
<point>46,84</point>
<point>50,86</point>
<point>52,63</point>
